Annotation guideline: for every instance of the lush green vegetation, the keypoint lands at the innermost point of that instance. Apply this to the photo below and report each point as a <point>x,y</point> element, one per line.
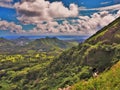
<point>109,80</point>
<point>40,65</point>
<point>23,62</point>
<point>17,70</point>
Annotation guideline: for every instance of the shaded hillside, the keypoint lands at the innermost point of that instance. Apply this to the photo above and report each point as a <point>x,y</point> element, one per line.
<point>109,80</point>
<point>5,45</point>
<point>5,42</point>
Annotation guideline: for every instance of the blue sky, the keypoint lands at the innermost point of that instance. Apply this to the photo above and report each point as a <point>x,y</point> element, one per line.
<point>8,14</point>
<point>90,3</point>
<point>15,18</point>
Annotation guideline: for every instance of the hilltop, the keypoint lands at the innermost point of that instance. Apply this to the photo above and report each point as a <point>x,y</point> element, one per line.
<point>47,44</point>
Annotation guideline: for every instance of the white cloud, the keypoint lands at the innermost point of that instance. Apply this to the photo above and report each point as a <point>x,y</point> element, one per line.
<point>37,10</point>
<point>113,7</point>
<point>96,21</point>
<point>85,25</point>
<point>56,10</point>
<point>6,3</point>
<point>118,13</point>
<point>11,26</point>
<point>103,3</point>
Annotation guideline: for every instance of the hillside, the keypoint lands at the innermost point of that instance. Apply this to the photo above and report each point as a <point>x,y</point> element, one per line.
<point>23,64</point>
<point>5,45</point>
<point>34,70</point>
<point>100,51</point>
<point>109,80</point>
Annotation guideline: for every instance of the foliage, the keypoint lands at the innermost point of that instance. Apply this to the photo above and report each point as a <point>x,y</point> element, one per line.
<point>109,80</point>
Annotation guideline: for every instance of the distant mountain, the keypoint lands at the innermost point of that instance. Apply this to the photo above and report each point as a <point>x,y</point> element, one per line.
<point>5,45</point>
<point>5,42</point>
<point>21,41</point>
<point>48,44</point>
<point>22,38</point>
<point>24,44</point>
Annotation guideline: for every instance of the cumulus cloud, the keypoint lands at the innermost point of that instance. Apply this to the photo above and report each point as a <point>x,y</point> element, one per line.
<point>35,11</point>
<point>45,16</point>
<point>6,3</point>
<point>11,26</point>
<point>85,25</point>
<point>96,21</point>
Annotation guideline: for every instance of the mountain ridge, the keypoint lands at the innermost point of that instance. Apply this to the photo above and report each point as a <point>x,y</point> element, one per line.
<point>107,34</point>
<point>24,44</point>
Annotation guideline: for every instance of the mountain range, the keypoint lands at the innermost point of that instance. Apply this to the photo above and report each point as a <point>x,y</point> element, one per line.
<point>24,44</point>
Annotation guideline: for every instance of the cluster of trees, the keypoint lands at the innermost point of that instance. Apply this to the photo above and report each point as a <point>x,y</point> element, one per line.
<point>18,70</point>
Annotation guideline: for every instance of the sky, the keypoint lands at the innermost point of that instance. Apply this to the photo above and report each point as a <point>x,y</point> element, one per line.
<point>56,17</point>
